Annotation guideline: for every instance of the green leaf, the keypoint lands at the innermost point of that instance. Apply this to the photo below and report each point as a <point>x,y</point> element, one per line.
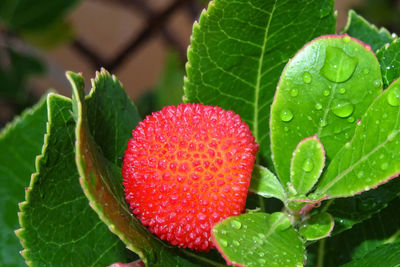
<point>371,157</point>
<point>307,163</point>
<point>389,58</point>
<point>264,183</point>
<point>239,48</point>
<point>104,124</point>
<point>20,142</point>
<point>385,255</point>
<point>350,211</point>
<point>30,15</point>
<point>58,226</point>
<point>319,226</point>
<point>259,239</point>
<point>323,90</point>
<point>382,228</point>
<point>361,29</point>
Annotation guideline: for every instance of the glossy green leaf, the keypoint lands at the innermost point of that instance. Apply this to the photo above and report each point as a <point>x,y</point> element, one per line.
<point>307,163</point>
<point>320,225</point>
<point>259,239</point>
<point>371,157</point>
<point>20,142</point>
<point>385,255</point>
<point>389,58</point>
<point>361,29</point>
<point>264,183</point>
<point>239,48</point>
<point>323,90</point>
<point>58,226</point>
<point>105,120</point>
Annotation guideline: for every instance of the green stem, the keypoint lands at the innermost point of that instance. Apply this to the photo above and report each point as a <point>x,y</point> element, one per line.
<point>321,253</point>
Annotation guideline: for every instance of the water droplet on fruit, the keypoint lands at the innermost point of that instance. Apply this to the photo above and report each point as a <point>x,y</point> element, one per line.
<point>384,166</point>
<point>308,165</point>
<point>326,92</point>
<point>236,224</point>
<point>294,92</point>
<point>223,242</point>
<point>286,115</point>
<point>338,66</point>
<point>307,77</point>
<point>318,106</point>
<point>342,108</point>
<point>393,97</point>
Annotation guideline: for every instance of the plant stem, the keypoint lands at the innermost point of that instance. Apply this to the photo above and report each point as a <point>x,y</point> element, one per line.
<point>392,238</point>
<point>321,251</point>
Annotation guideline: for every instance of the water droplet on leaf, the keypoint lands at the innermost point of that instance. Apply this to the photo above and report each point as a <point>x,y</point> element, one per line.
<point>286,115</point>
<point>342,108</point>
<point>294,92</point>
<point>308,165</point>
<point>307,77</point>
<point>384,166</point>
<point>236,224</point>
<point>393,97</point>
<point>350,119</point>
<point>318,106</point>
<point>326,92</point>
<point>223,242</point>
<point>360,174</point>
<point>338,66</point>
<point>378,83</point>
<point>342,90</point>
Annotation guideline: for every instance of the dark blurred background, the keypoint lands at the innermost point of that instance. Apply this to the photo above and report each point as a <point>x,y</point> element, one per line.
<point>143,42</point>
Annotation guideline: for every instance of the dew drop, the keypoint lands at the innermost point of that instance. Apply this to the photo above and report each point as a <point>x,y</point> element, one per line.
<point>307,77</point>
<point>360,174</point>
<point>236,224</point>
<point>326,92</point>
<point>378,83</point>
<point>308,165</point>
<point>223,242</point>
<point>338,66</point>
<point>236,243</point>
<point>286,115</point>
<point>318,106</point>
<point>323,123</point>
<point>294,92</point>
<point>262,261</point>
<point>384,166</point>
<point>342,108</point>
<point>351,119</point>
<point>342,90</point>
<point>393,97</point>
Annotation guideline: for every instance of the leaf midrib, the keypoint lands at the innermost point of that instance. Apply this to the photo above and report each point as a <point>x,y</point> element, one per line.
<point>259,75</point>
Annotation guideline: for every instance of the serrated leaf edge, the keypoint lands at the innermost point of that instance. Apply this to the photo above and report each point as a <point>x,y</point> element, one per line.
<point>20,233</point>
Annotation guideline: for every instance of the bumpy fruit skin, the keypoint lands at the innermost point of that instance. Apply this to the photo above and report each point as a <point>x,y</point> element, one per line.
<point>187,168</point>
